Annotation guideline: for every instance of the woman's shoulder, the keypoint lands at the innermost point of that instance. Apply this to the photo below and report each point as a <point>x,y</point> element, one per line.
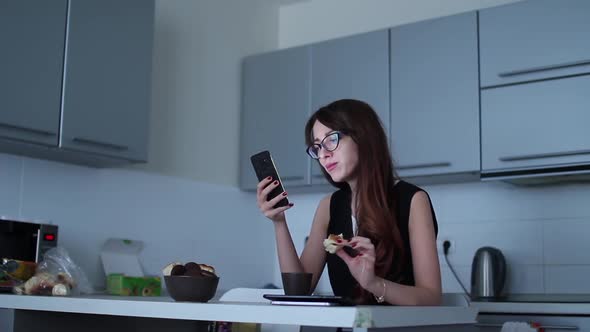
<point>404,187</point>
<point>325,201</point>
<point>406,192</point>
<point>334,199</point>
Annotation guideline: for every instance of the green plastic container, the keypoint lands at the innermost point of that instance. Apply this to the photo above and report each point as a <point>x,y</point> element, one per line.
<point>120,284</point>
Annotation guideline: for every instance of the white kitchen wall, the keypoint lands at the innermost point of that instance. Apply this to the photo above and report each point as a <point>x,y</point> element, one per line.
<point>198,49</point>
<point>10,182</point>
<point>178,219</point>
<point>317,20</point>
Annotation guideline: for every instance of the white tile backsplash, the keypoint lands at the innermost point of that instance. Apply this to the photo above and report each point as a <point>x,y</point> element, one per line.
<point>450,283</point>
<point>500,201</point>
<point>533,226</point>
<point>519,278</point>
<point>566,241</point>
<point>541,230</point>
<point>524,279</point>
<point>177,219</point>
<point>520,242</point>
<point>567,279</point>
<point>10,182</point>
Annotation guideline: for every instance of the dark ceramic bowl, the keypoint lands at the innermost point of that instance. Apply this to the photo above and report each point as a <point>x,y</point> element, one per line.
<point>191,288</point>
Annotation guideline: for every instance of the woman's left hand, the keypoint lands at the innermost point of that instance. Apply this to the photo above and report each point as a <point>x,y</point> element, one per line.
<point>362,266</point>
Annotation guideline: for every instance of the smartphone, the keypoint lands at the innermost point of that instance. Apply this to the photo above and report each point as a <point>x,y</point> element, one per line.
<point>311,300</point>
<point>264,167</point>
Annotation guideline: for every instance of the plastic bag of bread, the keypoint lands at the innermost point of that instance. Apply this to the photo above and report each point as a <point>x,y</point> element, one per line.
<point>56,275</point>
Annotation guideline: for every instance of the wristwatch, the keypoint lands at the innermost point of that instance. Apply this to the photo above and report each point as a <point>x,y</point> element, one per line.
<point>381,299</point>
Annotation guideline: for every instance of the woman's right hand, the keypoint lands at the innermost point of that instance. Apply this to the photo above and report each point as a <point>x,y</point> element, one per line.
<point>267,207</point>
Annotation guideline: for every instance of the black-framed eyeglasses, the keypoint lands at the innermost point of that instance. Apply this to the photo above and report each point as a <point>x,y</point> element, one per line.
<point>329,143</point>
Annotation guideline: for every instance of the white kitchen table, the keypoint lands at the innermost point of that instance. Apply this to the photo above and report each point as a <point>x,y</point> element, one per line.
<point>98,310</point>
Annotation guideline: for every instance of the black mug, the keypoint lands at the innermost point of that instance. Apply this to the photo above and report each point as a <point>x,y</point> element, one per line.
<point>297,283</point>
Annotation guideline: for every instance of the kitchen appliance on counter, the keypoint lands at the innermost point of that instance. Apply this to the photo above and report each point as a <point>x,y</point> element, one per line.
<point>488,273</point>
<point>26,240</point>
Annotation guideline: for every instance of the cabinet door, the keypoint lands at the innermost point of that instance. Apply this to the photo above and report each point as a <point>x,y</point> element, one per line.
<point>107,77</point>
<point>275,107</point>
<point>435,97</point>
<point>352,68</point>
<point>536,125</point>
<point>32,36</point>
<point>532,40</point>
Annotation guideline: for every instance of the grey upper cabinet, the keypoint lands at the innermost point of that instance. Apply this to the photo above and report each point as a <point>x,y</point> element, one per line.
<point>107,78</point>
<point>275,108</point>
<point>537,125</point>
<point>75,79</point>
<point>351,68</point>
<point>534,40</point>
<point>435,97</point>
<point>31,68</point>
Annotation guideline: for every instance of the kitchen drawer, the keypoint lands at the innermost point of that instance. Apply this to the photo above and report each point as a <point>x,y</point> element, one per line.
<point>549,322</point>
<point>537,125</point>
<point>534,40</point>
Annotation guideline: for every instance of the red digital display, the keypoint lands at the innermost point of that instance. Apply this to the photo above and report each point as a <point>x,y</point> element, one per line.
<point>49,237</point>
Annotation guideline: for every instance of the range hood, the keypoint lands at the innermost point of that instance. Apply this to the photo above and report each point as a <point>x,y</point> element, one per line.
<point>540,175</point>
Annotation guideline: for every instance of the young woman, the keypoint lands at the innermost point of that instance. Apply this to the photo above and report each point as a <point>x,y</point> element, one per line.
<point>389,221</point>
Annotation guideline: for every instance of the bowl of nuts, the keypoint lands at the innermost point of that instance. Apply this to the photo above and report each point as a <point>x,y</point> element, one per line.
<point>190,282</point>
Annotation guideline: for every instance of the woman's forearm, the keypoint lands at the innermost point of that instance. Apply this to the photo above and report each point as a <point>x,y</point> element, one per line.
<point>288,259</point>
<point>399,294</point>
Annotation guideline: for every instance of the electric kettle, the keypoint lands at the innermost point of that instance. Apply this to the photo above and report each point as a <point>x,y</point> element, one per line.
<point>488,273</point>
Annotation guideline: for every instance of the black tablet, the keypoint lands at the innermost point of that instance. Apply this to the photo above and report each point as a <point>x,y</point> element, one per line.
<point>312,300</point>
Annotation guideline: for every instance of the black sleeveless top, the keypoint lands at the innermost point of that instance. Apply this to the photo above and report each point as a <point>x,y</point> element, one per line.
<point>343,283</point>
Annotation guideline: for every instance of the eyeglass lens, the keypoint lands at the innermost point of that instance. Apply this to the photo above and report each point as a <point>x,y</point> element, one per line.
<point>330,143</point>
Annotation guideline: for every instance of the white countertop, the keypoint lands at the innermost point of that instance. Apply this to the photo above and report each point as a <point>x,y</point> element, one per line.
<point>165,307</point>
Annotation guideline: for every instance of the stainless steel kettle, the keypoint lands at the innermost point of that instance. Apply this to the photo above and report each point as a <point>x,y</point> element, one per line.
<point>488,273</point>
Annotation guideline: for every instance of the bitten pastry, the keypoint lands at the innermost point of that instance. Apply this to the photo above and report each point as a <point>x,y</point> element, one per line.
<point>189,269</point>
<point>168,268</point>
<point>331,244</point>
<point>207,268</point>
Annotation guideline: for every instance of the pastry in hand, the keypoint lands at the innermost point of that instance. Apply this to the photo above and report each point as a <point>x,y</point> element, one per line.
<point>331,244</point>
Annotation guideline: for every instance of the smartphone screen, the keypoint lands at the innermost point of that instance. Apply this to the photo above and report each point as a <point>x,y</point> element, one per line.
<point>264,167</point>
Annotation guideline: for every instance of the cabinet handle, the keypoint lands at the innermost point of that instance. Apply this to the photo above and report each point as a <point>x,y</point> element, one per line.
<point>543,68</point>
<point>28,129</point>
<point>544,155</point>
<point>111,146</point>
<point>443,164</point>
<point>547,327</point>
<point>292,178</point>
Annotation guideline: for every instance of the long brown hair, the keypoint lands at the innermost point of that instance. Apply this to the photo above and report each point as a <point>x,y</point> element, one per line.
<point>375,178</point>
